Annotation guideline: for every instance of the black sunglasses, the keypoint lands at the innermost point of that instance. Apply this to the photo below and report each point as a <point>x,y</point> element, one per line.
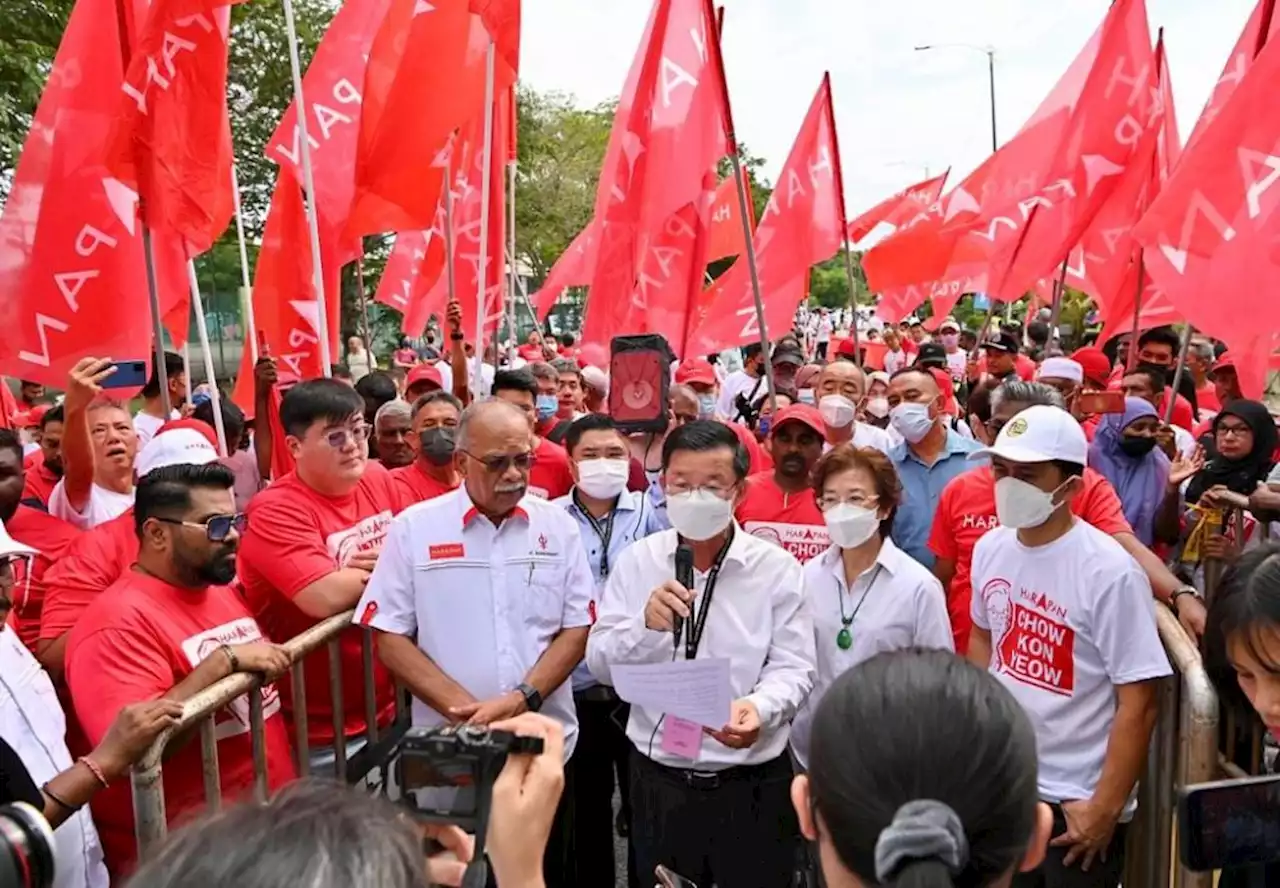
<point>501,464</point>
<point>217,528</point>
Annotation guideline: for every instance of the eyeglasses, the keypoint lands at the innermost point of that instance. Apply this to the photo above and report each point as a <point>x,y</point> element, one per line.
<point>217,528</point>
<point>1237,430</point>
<point>676,488</point>
<point>830,501</point>
<point>339,438</point>
<point>501,464</point>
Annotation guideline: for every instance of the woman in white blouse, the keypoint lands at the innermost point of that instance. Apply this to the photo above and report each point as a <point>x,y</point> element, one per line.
<point>866,594</point>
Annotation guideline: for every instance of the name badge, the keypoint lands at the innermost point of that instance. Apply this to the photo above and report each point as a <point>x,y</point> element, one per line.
<point>447,550</point>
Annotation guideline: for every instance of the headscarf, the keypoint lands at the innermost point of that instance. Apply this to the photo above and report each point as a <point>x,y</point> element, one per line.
<point>1239,475</point>
<point>1140,483</point>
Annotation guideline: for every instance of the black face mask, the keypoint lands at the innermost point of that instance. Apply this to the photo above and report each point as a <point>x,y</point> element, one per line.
<point>1137,447</point>
<point>438,445</point>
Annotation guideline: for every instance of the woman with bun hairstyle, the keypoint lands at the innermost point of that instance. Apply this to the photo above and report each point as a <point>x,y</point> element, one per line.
<point>922,774</point>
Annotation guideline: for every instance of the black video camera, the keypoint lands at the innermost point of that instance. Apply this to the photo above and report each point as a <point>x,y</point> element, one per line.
<point>26,848</point>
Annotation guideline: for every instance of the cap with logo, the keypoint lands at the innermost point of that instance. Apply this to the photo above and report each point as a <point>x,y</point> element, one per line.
<point>802,413</point>
<point>176,445</point>
<point>931,354</point>
<point>1040,434</point>
<point>1002,341</point>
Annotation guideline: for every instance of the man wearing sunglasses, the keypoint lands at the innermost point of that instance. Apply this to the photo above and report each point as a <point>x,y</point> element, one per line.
<point>169,628</point>
<point>313,538</point>
<point>481,598</point>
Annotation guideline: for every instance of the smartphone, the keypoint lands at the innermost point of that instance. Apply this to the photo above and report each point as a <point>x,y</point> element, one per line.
<point>129,374</point>
<point>1229,823</point>
<point>668,879</point>
<point>1100,402</point>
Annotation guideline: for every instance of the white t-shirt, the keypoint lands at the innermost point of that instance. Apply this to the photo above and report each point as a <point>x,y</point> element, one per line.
<point>957,364</point>
<point>103,505</point>
<point>866,435</point>
<point>146,425</point>
<point>739,382</point>
<point>894,361</point>
<point>1069,621</point>
<point>1184,442</point>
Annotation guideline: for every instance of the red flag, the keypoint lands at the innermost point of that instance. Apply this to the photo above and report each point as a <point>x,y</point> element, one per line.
<point>1238,63</point>
<point>572,269</point>
<point>668,134</point>
<point>405,279</point>
<point>899,208</point>
<point>1210,236</point>
<point>802,225</point>
<point>725,236</point>
<point>502,20</point>
<point>71,263</point>
<point>425,78</point>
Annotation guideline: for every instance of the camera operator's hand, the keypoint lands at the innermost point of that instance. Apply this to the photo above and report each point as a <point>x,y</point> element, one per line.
<point>486,712</point>
<point>449,866</point>
<point>525,796</point>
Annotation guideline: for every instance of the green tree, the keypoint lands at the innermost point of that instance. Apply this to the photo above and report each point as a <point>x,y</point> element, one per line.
<point>29,36</point>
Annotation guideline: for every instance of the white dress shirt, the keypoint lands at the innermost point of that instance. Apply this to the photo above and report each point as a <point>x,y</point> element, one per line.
<point>483,602</point>
<point>896,603</point>
<point>32,722</point>
<point>759,620</point>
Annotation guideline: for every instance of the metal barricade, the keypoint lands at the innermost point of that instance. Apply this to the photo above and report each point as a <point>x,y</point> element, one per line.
<point>147,777</point>
<point>1184,750</point>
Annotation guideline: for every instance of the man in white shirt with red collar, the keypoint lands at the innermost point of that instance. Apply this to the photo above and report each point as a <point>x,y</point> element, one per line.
<point>1062,617</point>
<point>481,598</point>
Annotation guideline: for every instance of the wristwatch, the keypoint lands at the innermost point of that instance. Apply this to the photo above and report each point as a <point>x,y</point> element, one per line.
<point>1178,593</point>
<point>457,336</point>
<point>532,699</point>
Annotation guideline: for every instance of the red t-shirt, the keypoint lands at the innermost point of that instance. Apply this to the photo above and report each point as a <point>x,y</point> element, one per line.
<point>1207,398</point>
<point>1182,415</point>
<point>791,520</point>
<point>51,537</point>
<point>1024,367</point>
<point>39,481</point>
<point>142,638</point>
<point>550,477</point>
<point>295,537</point>
<point>413,485</point>
<point>95,560</point>
<point>967,510</point>
<point>530,353</point>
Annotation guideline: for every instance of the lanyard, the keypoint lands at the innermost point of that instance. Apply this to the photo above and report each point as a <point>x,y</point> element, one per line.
<point>604,532</point>
<point>698,618</point>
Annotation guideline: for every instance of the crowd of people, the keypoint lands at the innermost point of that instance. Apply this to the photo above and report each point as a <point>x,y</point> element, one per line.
<point>992,499</point>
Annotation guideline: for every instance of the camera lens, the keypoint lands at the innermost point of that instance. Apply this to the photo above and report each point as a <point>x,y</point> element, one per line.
<point>26,848</point>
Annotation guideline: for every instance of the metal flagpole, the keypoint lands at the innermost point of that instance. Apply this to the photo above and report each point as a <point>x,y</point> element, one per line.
<point>186,364</point>
<point>450,277</point>
<point>1059,291</point>
<point>482,264</point>
<point>202,332</point>
<point>513,272</point>
<point>364,306</point>
<point>246,289</point>
<point>1132,357</point>
<point>309,183</point>
<point>755,279</point>
<point>1183,349</point>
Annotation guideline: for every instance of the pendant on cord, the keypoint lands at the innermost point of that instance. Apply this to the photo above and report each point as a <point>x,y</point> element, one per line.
<point>844,640</point>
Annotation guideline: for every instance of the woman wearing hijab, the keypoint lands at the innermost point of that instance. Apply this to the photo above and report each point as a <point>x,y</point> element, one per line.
<point>1124,452</point>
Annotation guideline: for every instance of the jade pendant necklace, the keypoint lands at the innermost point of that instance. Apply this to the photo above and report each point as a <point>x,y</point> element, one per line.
<point>844,638</point>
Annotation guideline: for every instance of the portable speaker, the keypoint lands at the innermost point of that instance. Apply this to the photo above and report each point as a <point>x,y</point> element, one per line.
<point>640,383</point>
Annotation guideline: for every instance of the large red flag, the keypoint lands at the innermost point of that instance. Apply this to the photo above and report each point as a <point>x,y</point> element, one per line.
<point>1210,235</point>
<point>572,269</point>
<point>1238,63</point>
<point>402,279</point>
<point>726,235</point>
<point>71,262</point>
<point>502,20</point>
<point>802,224</point>
<point>656,183</point>
<point>899,208</point>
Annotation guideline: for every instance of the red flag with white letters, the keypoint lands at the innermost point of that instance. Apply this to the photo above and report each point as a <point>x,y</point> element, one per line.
<point>899,208</point>
<point>572,269</point>
<point>725,234</point>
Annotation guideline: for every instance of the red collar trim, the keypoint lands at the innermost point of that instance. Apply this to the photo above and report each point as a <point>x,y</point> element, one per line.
<point>472,513</point>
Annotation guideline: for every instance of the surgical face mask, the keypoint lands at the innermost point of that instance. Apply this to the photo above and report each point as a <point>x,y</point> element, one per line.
<point>850,526</point>
<point>706,406</point>
<point>546,405</point>
<point>1022,505</point>
<point>603,478</point>
<point>699,514</point>
<point>1137,447</point>
<point>878,407</point>
<point>806,396</point>
<point>911,421</point>
<point>837,411</point>
<point>438,445</point>
<point>950,340</point>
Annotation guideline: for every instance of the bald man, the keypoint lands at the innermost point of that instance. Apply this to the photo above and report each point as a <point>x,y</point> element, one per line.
<point>929,455</point>
<point>481,600</point>
<point>841,391</point>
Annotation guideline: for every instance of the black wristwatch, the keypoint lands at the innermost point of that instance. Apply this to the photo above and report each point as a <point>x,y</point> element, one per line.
<point>457,336</point>
<point>532,699</point>
<point>1178,593</point>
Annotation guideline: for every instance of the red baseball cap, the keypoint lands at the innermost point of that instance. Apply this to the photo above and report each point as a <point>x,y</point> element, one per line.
<point>947,386</point>
<point>1226,362</point>
<point>804,413</point>
<point>1096,365</point>
<point>846,349</point>
<point>697,370</point>
<point>423,373</point>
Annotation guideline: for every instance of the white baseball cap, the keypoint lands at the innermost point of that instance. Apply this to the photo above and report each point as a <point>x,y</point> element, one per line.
<point>1040,434</point>
<point>949,324</point>
<point>10,547</point>
<point>175,447</point>
<point>1061,368</point>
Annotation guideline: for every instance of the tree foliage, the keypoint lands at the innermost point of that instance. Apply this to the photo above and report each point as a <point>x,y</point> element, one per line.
<point>29,34</point>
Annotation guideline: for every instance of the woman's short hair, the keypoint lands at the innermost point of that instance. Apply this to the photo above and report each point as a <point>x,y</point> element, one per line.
<point>1246,607</point>
<point>846,458</point>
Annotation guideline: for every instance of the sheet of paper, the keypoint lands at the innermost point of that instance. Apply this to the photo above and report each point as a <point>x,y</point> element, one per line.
<point>697,690</point>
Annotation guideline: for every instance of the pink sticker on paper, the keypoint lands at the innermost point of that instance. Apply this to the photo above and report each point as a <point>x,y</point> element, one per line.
<point>681,737</point>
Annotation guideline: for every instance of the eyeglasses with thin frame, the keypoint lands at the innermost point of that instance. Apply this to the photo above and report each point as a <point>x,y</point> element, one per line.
<point>862,501</point>
<point>217,527</point>
<point>676,488</point>
<point>1236,430</point>
<point>502,463</point>
<point>338,438</point>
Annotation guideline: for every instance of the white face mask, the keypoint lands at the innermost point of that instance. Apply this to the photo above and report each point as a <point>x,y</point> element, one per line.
<point>1021,505</point>
<point>878,407</point>
<point>837,411</point>
<point>806,396</point>
<point>699,515</point>
<point>851,526</point>
<point>912,421</point>
<point>603,478</point>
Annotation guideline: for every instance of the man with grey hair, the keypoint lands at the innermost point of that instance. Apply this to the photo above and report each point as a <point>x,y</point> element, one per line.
<point>547,402</point>
<point>481,598</point>
<point>391,425</point>
<point>1200,361</point>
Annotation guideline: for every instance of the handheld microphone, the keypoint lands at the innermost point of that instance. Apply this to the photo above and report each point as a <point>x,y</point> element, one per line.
<point>684,576</point>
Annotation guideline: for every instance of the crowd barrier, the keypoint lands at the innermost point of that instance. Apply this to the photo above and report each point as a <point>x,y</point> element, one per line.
<point>200,710</point>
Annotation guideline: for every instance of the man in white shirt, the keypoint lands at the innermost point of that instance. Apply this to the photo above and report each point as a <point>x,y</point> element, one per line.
<point>748,382</point>
<point>148,420</point>
<point>840,391</point>
<point>481,598</point>
<point>823,339</point>
<point>957,359</point>
<point>1062,617</point>
<point>711,802</point>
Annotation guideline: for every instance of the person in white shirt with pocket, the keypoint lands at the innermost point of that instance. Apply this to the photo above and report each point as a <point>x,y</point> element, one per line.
<point>1063,618</point>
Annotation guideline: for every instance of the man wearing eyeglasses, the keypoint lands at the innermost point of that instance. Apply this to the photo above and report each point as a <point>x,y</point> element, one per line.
<point>481,598</point>
<point>313,538</point>
<point>169,628</point>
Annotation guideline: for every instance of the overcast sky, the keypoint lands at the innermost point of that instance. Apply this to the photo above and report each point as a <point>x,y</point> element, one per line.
<point>898,111</point>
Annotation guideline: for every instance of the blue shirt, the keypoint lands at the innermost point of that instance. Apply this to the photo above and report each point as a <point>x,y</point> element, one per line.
<point>921,489</point>
<point>634,518</point>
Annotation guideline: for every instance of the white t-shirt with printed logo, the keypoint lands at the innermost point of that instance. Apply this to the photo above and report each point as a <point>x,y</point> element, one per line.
<point>1069,621</point>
